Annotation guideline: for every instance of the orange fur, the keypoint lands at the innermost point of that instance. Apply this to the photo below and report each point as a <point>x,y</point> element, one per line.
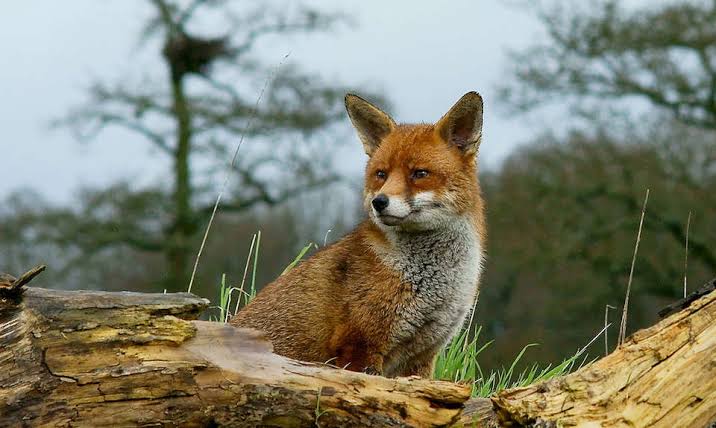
<point>344,304</point>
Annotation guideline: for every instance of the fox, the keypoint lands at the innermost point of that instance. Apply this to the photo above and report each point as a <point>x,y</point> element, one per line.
<point>388,296</point>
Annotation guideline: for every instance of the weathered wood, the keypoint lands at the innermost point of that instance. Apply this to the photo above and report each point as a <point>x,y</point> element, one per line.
<point>479,413</point>
<point>12,287</point>
<point>124,359</point>
<point>131,359</point>
<point>663,376</point>
<point>682,304</point>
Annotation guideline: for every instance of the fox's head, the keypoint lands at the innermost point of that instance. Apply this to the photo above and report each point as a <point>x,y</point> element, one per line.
<point>419,177</point>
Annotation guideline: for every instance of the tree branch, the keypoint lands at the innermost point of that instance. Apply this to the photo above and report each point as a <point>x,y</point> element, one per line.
<point>165,13</point>
<point>105,119</point>
<point>265,197</point>
<point>649,46</point>
<point>308,20</point>
<point>187,14</point>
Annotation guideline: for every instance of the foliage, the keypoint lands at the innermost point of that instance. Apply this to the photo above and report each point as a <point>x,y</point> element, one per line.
<point>639,82</point>
<point>577,202</point>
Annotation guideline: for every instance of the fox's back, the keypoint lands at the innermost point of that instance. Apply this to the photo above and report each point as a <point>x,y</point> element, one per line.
<point>303,310</point>
<point>298,311</point>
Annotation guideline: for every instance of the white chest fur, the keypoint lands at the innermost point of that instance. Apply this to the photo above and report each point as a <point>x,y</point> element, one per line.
<point>443,269</point>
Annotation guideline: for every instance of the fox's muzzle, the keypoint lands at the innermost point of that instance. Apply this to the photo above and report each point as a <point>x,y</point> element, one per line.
<point>380,203</point>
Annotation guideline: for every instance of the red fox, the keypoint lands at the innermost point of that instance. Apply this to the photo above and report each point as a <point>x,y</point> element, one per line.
<point>388,296</point>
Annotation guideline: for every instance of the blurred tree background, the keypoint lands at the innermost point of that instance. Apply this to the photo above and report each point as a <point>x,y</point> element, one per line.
<point>640,89</point>
<point>636,85</point>
<point>195,114</point>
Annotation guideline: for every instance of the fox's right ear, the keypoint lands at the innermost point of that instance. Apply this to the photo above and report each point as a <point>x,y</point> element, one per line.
<point>372,123</point>
<point>462,125</point>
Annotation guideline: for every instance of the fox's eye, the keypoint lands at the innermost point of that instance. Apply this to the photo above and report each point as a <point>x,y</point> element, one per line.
<point>381,174</point>
<point>420,173</point>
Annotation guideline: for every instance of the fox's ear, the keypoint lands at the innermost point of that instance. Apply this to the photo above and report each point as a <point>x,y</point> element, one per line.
<point>462,125</point>
<point>372,123</point>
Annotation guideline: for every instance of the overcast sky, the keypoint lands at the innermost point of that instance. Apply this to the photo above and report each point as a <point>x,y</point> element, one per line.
<point>424,55</point>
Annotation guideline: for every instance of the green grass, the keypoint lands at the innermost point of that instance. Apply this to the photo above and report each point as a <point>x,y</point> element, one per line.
<point>457,362</point>
<point>226,292</point>
<point>298,257</point>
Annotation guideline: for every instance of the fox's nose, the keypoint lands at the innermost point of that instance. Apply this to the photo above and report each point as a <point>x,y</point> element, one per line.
<point>380,202</point>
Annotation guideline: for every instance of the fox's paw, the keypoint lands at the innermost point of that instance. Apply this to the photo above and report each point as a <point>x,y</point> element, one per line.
<point>372,371</point>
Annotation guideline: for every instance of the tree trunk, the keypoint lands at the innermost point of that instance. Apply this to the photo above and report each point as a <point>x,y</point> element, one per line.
<point>183,226</point>
<point>92,358</point>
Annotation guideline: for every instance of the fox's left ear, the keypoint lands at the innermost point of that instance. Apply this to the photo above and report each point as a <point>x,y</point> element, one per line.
<point>462,125</point>
<point>372,123</point>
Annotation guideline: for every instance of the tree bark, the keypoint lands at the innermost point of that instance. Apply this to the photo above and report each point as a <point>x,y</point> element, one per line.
<point>93,358</point>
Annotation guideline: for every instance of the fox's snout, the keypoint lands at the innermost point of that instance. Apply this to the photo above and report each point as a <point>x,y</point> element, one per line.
<point>380,203</point>
<point>391,210</point>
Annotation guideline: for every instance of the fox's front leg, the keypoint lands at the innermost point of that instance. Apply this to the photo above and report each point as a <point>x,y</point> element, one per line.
<point>374,364</point>
<point>360,358</point>
<point>423,365</point>
<point>353,351</point>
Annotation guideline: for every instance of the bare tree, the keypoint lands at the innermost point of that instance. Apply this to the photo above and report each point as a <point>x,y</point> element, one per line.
<point>662,53</point>
<point>197,113</point>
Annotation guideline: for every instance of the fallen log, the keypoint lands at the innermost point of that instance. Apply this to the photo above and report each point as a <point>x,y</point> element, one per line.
<point>93,358</point>
<point>662,376</point>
